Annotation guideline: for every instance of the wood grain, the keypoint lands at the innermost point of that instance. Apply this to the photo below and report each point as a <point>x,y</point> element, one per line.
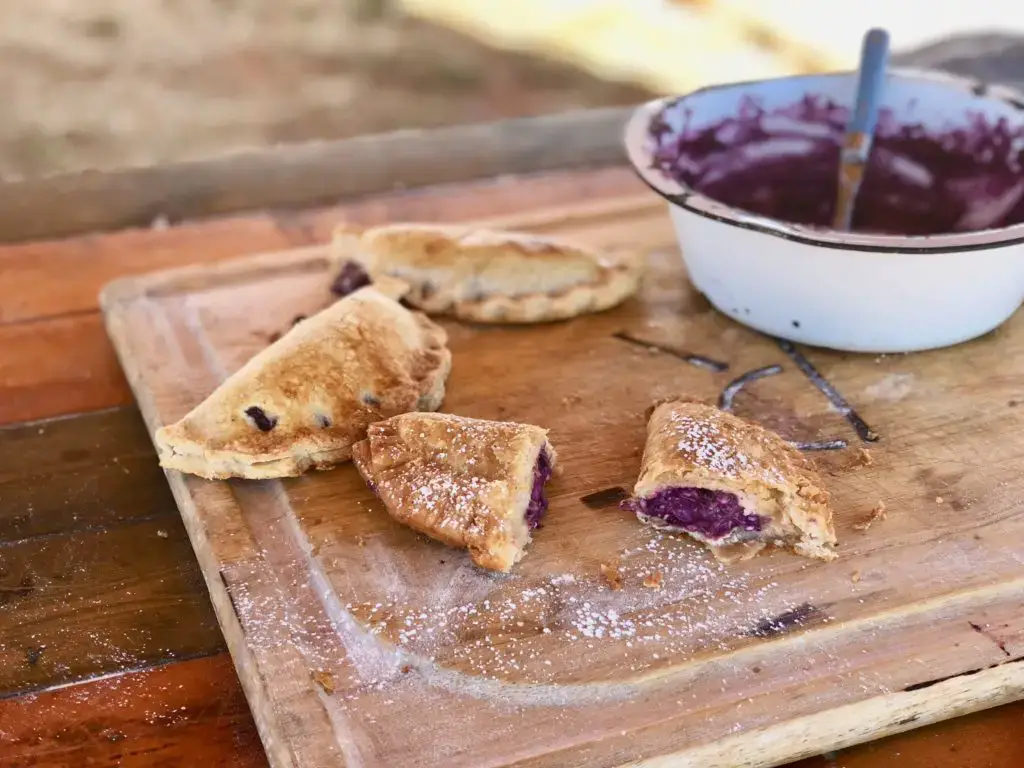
<point>191,713</point>
<point>194,713</point>
<point>96,571</point>
<point>300,571</point>
<point>92,472</point>
<point>988,739</point>
<point>984,740</point>
<point>59,366</point>
<point>57,359</point>
<point>43,279</point>
<point>304,175</point>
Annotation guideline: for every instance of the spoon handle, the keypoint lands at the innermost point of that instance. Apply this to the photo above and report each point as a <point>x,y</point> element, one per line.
<point>874,60</point>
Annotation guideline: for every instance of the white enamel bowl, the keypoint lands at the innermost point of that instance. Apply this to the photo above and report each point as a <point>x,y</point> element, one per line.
<point>854,292</point>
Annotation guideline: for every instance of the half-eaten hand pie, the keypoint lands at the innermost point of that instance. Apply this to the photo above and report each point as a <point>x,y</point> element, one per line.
<point>731,484</point>
<point>473,484</point>
<point>303,401</point>
<point>485,275</point>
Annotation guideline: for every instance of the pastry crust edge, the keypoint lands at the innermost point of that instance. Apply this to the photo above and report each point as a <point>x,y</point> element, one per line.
<point>185,455</point>
<point>618,282</point>
<point>501,552</point>
<point>804,503</point>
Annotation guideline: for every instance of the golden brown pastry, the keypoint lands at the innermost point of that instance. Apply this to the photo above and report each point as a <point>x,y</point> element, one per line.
<point>473,484</point>
<point>731,484</point>
<point>303,401</point>
<point>485,275</point>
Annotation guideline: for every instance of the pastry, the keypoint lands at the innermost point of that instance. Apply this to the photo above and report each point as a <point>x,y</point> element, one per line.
<point>485,275</point>
<point>303,401</point>
<point>731,484</point>
<point>473,484</point>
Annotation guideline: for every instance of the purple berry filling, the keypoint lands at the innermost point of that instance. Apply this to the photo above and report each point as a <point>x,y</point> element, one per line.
<point>542,472</point>
<point>781,162</point>
<point>712,514</point>
<point>263,421</point>
<point>350,279</point>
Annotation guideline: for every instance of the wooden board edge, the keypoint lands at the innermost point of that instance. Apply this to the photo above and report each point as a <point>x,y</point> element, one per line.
<point>812,733</point>
<point>253,685</point>
<point>857,723</point>
<point>307,174</point>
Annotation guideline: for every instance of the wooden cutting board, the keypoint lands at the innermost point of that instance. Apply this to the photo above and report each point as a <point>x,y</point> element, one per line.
<point>360,643</point>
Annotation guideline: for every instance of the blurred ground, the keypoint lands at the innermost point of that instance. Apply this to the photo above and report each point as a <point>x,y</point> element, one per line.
<point>100,83</point>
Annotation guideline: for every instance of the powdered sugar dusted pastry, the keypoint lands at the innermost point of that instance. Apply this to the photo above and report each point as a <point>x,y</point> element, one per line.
<point>473,484</point>
<point>303,401</point>
<point>730,483</point>
<point>486,275</point>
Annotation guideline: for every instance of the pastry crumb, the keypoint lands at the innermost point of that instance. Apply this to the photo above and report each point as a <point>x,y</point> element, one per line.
<point>572,400</point>
<point>360,541</point>
<point>653,580</point>
<point>324,679</point>
<point>855,577</point>
<point>865,457</point>
<point>878,513</point>
<point>938,499</point>
<point>612,576</point>
<point>162,533</point>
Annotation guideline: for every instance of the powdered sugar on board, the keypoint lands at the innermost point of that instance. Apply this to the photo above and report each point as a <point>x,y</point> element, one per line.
<point>459,627</point>
<point>676,603</point>
<point>705,440</point>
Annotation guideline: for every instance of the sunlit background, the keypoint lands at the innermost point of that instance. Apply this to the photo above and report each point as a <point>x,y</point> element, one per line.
<point>100,83</point>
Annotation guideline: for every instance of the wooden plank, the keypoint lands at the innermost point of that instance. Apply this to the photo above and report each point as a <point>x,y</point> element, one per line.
<point>96,571</point>
<point>96,602</point>
<point>63,364</point>
<point>188,714</point>
<point>87,473</point>
<point>44,279</point>
<point>500,197</point>
<point>304,175</point>
<point>58,366</point>
<point>987,739</point>
<point>194,713</point>
<point>748,665</point>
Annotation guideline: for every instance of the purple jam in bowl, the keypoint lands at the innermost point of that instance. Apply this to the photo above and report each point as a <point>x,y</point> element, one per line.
<point>942,161</point>
<point>712,514</point>
<point>542,472</point>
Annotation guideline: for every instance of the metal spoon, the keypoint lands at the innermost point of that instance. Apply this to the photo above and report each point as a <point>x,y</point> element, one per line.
<point>874,58</point>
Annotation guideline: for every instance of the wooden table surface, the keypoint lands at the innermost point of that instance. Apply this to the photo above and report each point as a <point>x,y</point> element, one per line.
<point>109,650</point>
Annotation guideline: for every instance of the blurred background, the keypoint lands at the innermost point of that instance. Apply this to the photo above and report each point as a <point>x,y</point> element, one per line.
<point>101,83</point>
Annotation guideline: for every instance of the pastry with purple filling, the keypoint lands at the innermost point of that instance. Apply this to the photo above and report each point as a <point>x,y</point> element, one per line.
<point>731,484</point>
<point>473,484</point>
<point>303,401</point>
<point>483,275</point>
